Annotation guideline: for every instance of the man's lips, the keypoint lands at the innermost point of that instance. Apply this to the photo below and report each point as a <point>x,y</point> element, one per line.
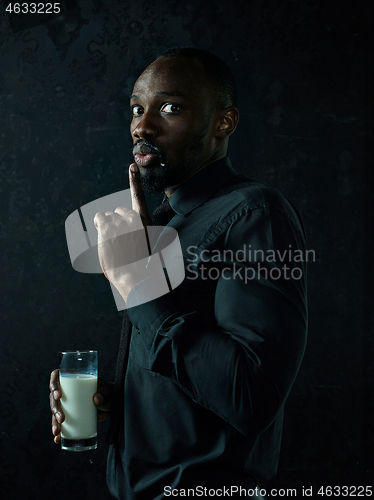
<point>146,160</point>
<point>145,155</point>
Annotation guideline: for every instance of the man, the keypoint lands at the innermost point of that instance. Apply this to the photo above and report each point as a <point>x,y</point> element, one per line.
<point>212,362</point>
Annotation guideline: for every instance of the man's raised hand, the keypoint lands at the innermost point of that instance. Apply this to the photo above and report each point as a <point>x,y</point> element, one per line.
<point>139,204</point>
<point>122,242</point>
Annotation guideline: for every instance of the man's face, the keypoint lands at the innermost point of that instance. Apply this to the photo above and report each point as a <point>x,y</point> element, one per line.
<point>173,123</point>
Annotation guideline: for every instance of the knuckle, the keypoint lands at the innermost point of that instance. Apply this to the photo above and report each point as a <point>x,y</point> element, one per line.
<point>98,215</point>
<point>52,403</point>
<point>128,213</point>
<point>139,195</point>
<point>51,382</point>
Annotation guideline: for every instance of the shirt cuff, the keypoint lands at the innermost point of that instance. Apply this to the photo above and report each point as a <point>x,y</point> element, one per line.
<point>152,312</point>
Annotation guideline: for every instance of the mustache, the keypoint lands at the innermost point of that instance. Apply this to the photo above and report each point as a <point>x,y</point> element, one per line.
<point>146,147</point>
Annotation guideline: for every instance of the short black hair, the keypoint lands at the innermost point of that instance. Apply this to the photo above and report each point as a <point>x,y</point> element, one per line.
<point>218,73</point>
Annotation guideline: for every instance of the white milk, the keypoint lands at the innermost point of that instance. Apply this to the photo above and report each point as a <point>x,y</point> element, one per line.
<point>78,406</point>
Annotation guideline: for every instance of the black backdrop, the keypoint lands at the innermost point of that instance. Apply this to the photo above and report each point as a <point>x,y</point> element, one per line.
<point>303,69</point>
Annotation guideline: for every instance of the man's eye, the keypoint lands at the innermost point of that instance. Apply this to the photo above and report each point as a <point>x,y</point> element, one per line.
<point>137,110</point>
<point>170,108</point>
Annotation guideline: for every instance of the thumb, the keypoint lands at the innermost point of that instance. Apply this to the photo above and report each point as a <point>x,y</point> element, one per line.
<point>104,394</point>
<point>139,203</point>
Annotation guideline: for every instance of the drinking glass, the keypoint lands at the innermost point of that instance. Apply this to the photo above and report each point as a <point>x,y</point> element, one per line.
<point>78,382</point>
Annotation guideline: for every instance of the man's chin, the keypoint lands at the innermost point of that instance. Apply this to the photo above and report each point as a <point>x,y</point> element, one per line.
<point>152,180</point>
<point>152,188</point>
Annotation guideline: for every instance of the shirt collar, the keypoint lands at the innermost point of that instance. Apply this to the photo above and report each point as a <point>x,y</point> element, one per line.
<point>201,186</point>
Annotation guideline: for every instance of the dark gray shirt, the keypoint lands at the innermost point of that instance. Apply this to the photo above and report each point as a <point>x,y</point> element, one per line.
<point>212,362</point>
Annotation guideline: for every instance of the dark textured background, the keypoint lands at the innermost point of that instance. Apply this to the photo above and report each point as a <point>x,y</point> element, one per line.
<point>304,71</point>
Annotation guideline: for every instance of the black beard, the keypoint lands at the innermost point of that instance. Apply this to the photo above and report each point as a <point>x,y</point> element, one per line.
<point>158,178</point>
<point>155,182</point>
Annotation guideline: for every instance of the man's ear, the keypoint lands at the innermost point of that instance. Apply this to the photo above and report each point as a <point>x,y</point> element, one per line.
<point>229,118</point>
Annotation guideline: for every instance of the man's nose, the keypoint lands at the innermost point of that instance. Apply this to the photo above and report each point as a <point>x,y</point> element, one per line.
<point>145,126</point>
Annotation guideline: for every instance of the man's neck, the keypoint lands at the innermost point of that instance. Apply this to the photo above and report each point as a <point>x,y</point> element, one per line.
<point>169,191</point>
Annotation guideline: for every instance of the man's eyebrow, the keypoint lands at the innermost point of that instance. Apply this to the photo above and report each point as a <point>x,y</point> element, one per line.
<point>164,93</point>
<point>170,93</point>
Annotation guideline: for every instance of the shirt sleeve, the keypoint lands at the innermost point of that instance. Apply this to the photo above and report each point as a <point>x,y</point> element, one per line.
<point>242,364</point>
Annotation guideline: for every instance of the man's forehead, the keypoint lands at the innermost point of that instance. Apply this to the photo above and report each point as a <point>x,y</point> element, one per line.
<point>172,76</point>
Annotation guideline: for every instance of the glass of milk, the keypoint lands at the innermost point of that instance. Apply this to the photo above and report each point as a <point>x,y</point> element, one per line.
<point>78,382</point>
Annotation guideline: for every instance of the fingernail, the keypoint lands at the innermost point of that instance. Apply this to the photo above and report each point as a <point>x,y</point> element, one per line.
<point>58,416</point>
<point>134,168</point>
<point>56,394</point>
<point>99,399</point>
